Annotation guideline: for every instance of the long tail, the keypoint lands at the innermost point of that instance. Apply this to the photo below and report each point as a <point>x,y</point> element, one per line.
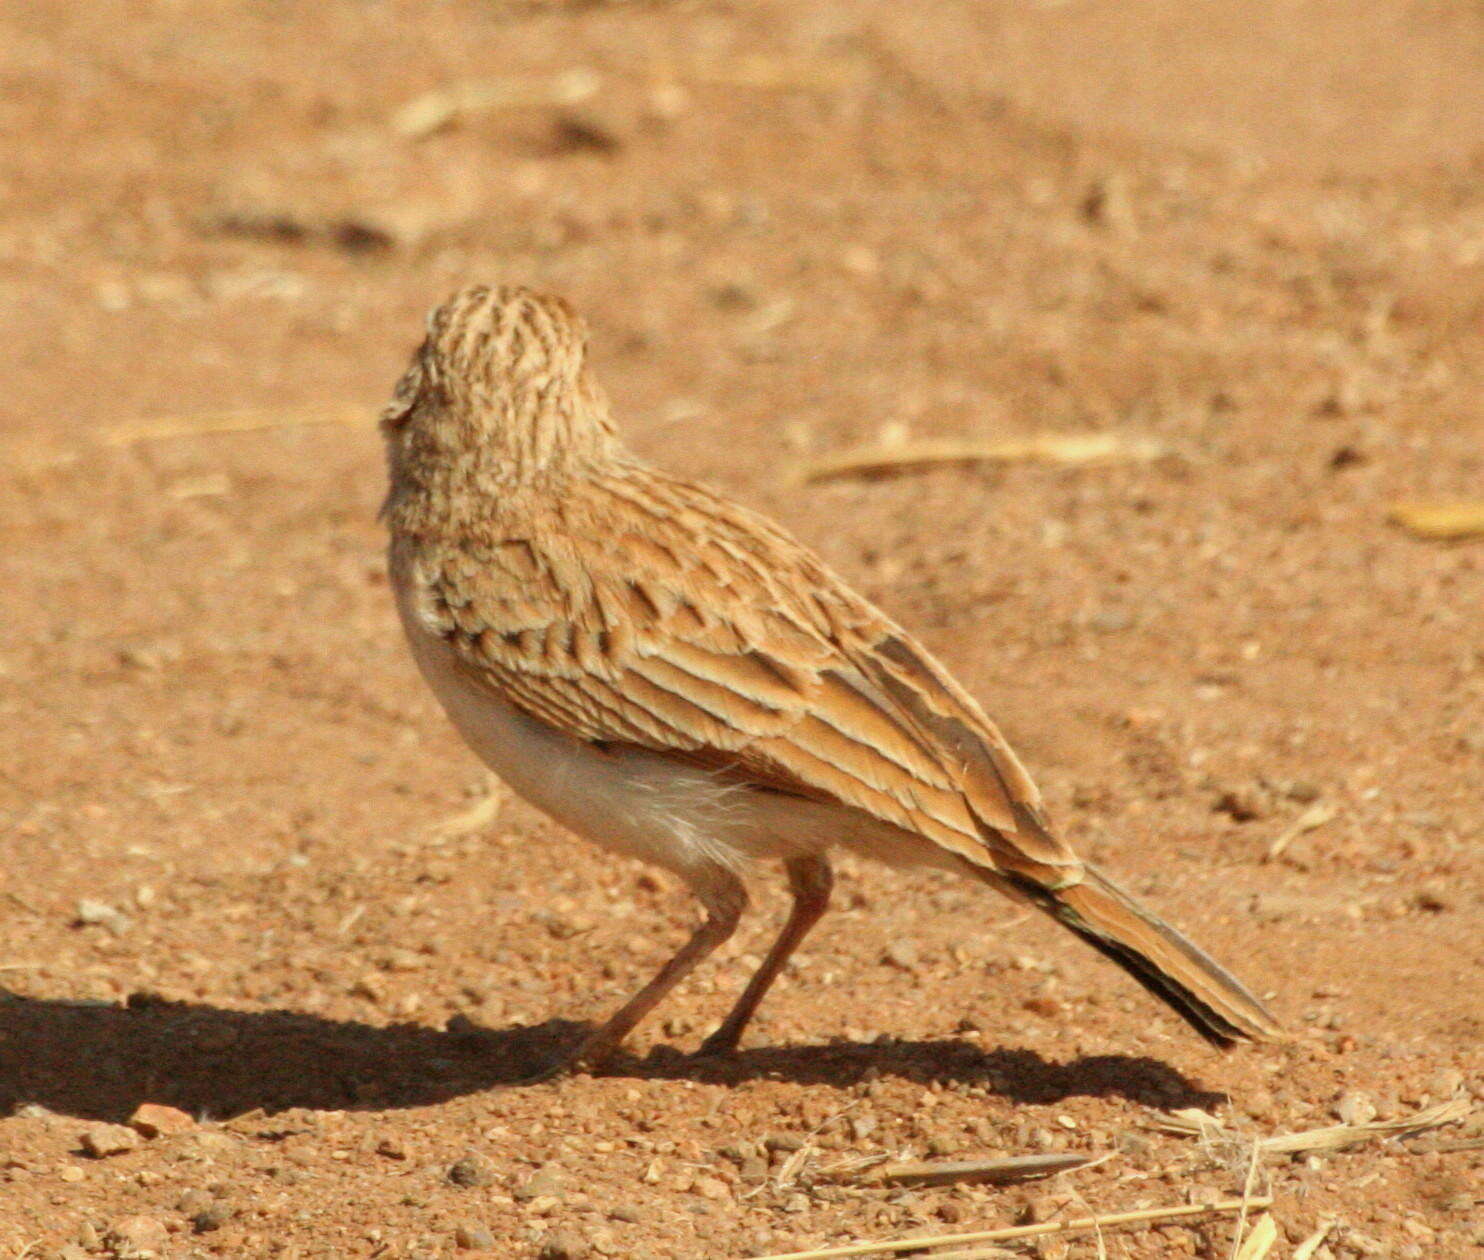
<point>1213,1001</point>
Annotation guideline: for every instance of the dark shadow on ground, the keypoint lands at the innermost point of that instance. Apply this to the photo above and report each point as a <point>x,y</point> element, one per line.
<point>102,1061</point>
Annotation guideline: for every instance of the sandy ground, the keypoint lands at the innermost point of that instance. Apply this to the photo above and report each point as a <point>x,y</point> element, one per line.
<point>246,869</point>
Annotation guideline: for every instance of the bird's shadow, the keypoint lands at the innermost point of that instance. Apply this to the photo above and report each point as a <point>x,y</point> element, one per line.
<point>99,1062</point>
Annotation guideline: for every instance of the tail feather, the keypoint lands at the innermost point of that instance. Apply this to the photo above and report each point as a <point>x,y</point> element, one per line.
<point>1213,1001</point>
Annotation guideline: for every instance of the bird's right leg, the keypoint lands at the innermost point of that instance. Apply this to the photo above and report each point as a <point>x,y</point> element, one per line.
<point>810,879</point>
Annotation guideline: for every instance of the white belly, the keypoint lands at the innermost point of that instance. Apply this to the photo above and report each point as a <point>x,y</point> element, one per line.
<point>644,804</point>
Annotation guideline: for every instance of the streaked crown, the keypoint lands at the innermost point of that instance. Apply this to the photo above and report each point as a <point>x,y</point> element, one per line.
<point>501,371</point>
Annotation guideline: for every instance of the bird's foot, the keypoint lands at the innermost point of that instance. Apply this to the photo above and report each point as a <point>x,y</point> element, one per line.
<point>723,1041</point>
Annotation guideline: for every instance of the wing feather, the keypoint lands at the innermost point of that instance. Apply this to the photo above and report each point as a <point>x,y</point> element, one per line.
<point>705,632</point>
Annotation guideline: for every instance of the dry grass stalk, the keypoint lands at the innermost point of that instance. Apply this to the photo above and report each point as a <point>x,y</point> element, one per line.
<point>1440,521</point>
<point>474,819</point>
<point>453,102</point>
<point>251,420</point>
<point>1239,1251</point>
<point>955,1172</point>
<point>1196,1123</point>
<point>1052,448</point>
<point>1260,1241</point>
<point>1310,1245</point>
<point>1080,1225</point>
<point>1311,819</point>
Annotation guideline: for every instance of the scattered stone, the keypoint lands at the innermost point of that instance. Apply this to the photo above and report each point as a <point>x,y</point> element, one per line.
<point>472,1170</point>
<point>753,1172</point>
<point>786,1143</point>
<point>564,1244</point>
<point>901,954</point>
<point>1044,1005</point>
<point>630,1213</point>
<point>193,1201</point>
<point>1445,1083</point>
<point>545,1183</point>
<point>71,1173</point>
<point>392,1148</point>
<point>1433,898</point>
<point>156,1120</point>
<point>1355,1108</point>
<point>474,1238</point>
<point>102,1140</point>
<point>101,914</point>
<point>713,1188</point>
<point>137,1238</point>
<point>211,1218</point>
<point>1244,804</point>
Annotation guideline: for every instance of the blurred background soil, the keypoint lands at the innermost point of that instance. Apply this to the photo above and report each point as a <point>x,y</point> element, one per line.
<point>248,871</point>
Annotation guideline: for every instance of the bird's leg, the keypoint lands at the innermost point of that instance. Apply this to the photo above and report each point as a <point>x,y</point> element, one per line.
<point>810,879</point>
<point>725,898</point>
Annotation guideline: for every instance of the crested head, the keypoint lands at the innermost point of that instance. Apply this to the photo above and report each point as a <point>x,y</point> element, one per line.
<point>499,391</point>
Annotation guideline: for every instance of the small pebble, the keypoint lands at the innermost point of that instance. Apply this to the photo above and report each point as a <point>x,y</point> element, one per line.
<point>753,1172</point>
<point>711,1188</point>
<point>211,1218</point>
<point>101,1140</point>
<point>137,1238</point>
<point>474,1238</point>
<point>472,1170</point>
<point>901,954</point>
<point>1445,1083</point>
<point>156,1120</point>
<point>545,1183</point>
<point>1355,1108</point>
<point>564,1244</point>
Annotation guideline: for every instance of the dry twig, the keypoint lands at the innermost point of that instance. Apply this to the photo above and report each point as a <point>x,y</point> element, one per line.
<point>1080,1225</point>
<point>1052,448</point>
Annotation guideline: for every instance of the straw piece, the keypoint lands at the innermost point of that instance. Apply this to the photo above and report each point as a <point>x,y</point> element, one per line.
<point>1337,1137</point>
<point>453,102</point>
<point>1310,1245</point>
<point>478,816</point>
<point>1313,817</point>
<point>1195,1123</point>
<point>1053,448</point>
<point>1080,1225</point>
<point>1260,1241</point>
<point>1440,521</point>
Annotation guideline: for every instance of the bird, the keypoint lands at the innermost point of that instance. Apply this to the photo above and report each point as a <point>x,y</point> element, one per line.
<point>674,678</point>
